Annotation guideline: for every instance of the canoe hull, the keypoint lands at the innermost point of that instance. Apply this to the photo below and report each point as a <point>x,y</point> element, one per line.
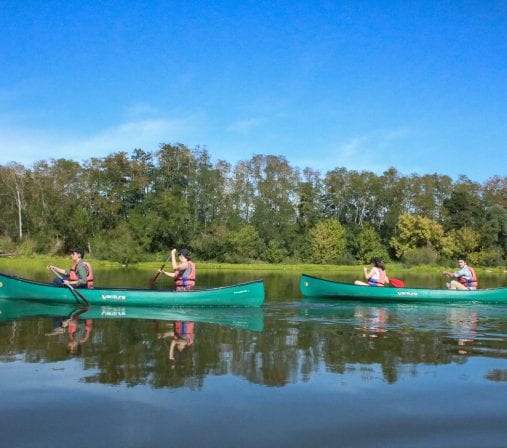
<point>317,287</point>
<point>249,294</point>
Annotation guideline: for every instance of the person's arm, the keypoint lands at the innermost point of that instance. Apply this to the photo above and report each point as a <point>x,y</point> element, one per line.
<point>50,267</point>
<point>173,259</point>
<point>369,274</point>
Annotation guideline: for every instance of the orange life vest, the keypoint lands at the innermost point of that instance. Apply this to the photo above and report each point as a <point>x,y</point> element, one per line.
<point>186,278</point>
<point>184,330</point>
<point>469,283</point>
<point>89,278</point>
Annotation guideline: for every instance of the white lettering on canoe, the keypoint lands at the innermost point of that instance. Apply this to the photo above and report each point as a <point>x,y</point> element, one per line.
<point>113,312</point>
<point>242,291</point>
<point>113,297</point>
<point>407,293</point>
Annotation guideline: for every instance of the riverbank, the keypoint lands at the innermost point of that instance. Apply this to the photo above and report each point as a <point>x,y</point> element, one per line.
<point>17,265</point>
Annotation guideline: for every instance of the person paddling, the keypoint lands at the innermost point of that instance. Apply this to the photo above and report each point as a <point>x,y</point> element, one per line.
<point>183,270</point>
<point>376,276</point>
<point>464,279</point>
<point>80,275</point>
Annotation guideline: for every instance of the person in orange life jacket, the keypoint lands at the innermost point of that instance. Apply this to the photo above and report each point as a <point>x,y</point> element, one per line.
<point>376,276</point>
<point>80,275</point>
<point>464,279</point>
<point>183,271</point>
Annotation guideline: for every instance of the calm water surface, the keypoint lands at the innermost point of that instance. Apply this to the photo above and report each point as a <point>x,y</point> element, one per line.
<point>295,373</point>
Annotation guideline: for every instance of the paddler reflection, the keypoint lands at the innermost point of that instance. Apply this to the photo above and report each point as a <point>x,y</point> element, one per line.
<point>78,330</point>
<point>372,319</point>
<point>181,335</point>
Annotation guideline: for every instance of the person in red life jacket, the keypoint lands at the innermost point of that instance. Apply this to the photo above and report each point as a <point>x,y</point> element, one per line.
<point>376,276</point>
<point>80,275</point>
<point>183,270</point>
<point>464,279</point>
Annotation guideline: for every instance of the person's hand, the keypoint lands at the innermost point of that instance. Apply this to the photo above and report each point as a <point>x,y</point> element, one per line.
<point>173,251</point>
<point>50,267</point>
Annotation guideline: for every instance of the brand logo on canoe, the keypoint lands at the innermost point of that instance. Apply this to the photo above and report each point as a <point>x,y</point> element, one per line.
<point>113,297</point>
<point>407,293</point>
<point>242,291</point>
<point>113,312</point>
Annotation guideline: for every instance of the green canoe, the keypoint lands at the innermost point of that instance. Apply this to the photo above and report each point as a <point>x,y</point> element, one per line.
<point>318,287</point>
<point>244,318</point>
<point>249,294</point>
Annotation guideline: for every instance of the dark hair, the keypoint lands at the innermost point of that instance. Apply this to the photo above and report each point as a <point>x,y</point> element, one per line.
<point>462,257</point>
<point>378,263</point>
<point>77,250</point>
<point>185,252</point>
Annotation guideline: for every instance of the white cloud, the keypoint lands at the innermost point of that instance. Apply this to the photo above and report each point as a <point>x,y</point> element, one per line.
<point>26,146</point>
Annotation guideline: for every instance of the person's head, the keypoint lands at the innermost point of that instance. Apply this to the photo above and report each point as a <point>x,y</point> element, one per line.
<point>77,251</point>
<point>184,252</point>
<point>378,263</point>
<point>462,260</point>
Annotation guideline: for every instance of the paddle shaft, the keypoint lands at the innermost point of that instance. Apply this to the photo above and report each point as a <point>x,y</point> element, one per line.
<point>154,279</point>
<point>75,292</point>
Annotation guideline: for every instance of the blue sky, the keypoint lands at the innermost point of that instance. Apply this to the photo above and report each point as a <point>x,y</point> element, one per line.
<point>418,85</point>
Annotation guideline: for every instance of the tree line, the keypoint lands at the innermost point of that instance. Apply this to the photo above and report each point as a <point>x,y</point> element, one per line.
<point>127,207</point>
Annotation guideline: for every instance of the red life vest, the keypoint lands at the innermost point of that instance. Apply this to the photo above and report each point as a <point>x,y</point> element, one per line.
<point>186,278</point>
<point>89,278</point>
<point>184,330</point>
<point>473,283</point>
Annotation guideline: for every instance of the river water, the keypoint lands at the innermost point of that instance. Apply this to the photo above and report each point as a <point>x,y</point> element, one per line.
<point>294,373</point>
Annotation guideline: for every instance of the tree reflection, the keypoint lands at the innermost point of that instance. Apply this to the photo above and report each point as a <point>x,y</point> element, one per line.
<point>294,345</point>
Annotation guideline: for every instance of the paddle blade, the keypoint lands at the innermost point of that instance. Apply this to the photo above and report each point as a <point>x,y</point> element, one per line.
<point>397,283</point>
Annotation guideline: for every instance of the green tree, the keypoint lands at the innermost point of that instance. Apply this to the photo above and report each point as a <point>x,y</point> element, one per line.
<point>415,231</point>
<point>463,241</point>
<point>369,246</point>
<point>327,240</point>
<point>244,244</point>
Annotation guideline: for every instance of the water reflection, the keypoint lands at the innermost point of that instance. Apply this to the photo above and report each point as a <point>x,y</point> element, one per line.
<point>77,330</point>
<point>283,343</point>
<point>181,336</point>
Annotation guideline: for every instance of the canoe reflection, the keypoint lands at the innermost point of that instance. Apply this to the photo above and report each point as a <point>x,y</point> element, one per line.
<point>244,318</point>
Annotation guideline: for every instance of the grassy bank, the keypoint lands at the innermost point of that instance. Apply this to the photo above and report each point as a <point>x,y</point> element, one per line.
<point>13,264</point>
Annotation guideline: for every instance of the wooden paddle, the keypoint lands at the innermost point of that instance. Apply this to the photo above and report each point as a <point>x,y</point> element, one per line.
<point>154,278</point>
<point>74,291</point>
<point>396,282</point>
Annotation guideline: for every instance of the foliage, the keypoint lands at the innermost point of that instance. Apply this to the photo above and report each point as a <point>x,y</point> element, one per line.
<point>461,241</point>
<point>420,255</point>
<point>369,246</point>
<point>415,231</point>
<point>327,241</point>
<point>130,206</point>
<point>244,243</point>
<point>275,253</point>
